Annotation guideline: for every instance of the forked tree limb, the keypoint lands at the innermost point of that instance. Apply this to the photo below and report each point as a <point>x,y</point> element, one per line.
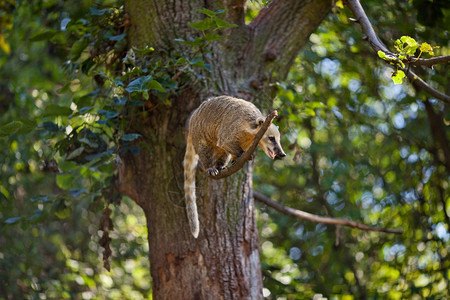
<point>299,214</point>
<point>377,45</point>
<point>241,160</point>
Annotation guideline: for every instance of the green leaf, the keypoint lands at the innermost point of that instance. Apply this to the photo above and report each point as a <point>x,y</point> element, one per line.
<point>60,209</point>
<point>10,128</point>
<point>223,24</point>
<point>220,11</point>
<point>381,54</point>
<point>99,155</point>
<point>50,126</point>
<point>65,181</point>
<point>214,36</point>
<point>409,41</point>
<point>46,35</point>
<point>195,42</point>
<point>398,76</point>
<point>75,192</point>
<point>85,109</point>
<point>138,85</point>
<point>155,85</point>
<point>37,216</point>
<point>425,47</point>
<point>77,48</point>
<point>203,25</point>
<point>309,112</point>
<point>98,12</point>
<point>130,136</point>
<point>116,37</point>
<point>75,153</point>
<point>109,114</point>
<point>27,126</point>
<point>207,12</point>
<point>40,198</point>
<point>182,61</point>
<point>12,220</point>
<point>53,110</point>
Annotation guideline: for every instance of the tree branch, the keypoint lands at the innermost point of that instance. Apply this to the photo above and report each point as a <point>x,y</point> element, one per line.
<point>278,32</point>
<point>318,219</point>
<point>377,45</point>
<point>428,62</point>
<point>241,160</point>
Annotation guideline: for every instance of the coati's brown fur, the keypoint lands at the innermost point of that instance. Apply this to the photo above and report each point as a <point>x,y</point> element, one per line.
<point>221,129</point>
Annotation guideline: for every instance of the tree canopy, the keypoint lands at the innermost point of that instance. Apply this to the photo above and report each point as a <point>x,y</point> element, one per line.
<point>361,147</point>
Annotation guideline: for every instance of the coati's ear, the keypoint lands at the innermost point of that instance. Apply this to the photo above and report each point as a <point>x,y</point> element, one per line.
<point>259,121</point>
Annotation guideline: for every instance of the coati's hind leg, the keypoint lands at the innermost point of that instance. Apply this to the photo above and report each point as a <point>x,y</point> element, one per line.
<point>231,146</point>
<point>213,159</point>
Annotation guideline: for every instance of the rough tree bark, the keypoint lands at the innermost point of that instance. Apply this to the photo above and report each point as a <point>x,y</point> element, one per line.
<point>223,263</point>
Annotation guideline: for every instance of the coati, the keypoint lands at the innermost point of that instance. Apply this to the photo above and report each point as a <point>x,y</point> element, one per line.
<point>221,129</point>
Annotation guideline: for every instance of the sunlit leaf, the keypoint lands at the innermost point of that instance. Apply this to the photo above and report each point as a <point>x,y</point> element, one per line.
<point>4,45</point>
<point>398,76</point>
<point>427,48</point>
<point>381,54</point>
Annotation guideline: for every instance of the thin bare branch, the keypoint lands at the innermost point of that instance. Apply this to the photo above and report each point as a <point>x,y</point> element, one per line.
<point>428,62</point>
<point>377,45</point>
<point>241,160</point>
<point>420,84</point>
<point>318,219</point>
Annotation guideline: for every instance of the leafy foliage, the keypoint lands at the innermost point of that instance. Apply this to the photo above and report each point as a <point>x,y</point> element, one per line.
<point>406,48</point>
<point>68,87</point>
<point>360,148</point>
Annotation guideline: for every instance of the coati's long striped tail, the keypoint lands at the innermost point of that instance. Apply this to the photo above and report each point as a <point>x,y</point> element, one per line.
<point>190,163</point>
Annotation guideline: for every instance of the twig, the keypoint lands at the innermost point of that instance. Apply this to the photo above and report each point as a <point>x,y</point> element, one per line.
<point>241,160</point>
<point>377,45</point>
<point>428,62</point>
<point>318,219</point>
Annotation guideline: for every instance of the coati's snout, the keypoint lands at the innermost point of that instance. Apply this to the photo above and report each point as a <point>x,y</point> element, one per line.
<point>280,155</point>
<point>270,143</point>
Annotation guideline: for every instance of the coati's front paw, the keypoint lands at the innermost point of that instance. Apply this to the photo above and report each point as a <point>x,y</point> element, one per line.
<point>212,172</point>
<point>220,168</point>
<point>252,157</point>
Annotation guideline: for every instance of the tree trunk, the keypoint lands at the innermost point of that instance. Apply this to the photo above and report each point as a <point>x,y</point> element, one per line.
<point>223,263</point>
